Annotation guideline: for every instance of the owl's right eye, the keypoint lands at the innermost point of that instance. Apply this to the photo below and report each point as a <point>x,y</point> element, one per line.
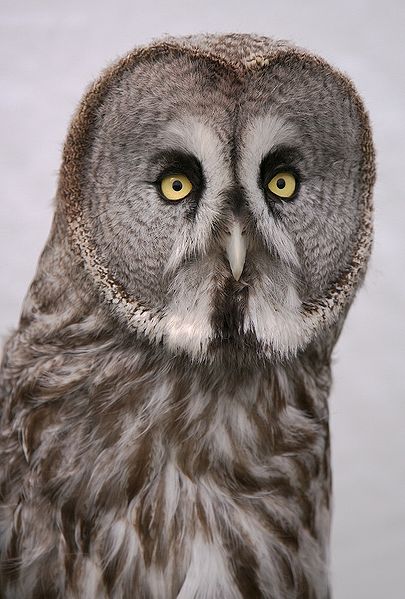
<point>175,187</point>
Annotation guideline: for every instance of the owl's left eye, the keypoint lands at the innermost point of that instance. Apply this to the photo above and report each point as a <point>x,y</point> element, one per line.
<point>283,185</point>
<point>176,187</point>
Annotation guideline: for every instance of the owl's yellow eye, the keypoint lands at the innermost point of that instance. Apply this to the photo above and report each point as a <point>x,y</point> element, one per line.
<point>176,187</point>
<point>283,185</point>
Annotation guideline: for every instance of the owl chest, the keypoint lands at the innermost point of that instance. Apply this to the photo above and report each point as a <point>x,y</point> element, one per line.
<point>204,503</point>
<point>205,525</point>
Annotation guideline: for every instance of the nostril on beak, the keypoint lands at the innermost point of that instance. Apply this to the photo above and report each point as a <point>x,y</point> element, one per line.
<point>235,247</point>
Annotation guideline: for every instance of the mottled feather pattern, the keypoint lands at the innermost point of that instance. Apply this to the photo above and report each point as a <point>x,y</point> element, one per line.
<point>127,456</point>
<point>164,426</point>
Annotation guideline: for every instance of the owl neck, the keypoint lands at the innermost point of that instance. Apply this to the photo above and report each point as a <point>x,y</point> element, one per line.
<point>207,417</point>
<point>237,422</point>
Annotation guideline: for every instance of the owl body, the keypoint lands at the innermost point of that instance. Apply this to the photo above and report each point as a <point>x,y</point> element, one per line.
<point>164,425</point>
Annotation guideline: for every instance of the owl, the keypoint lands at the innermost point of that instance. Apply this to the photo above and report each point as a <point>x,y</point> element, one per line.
<point>164,400</point>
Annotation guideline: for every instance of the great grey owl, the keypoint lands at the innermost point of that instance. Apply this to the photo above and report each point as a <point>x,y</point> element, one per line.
<point>164,425</point>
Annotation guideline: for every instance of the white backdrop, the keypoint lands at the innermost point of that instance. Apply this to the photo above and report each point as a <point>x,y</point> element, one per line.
<point>50,51</point>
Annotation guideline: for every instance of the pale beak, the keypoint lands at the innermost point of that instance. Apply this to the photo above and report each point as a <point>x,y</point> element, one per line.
<point>235,246</point>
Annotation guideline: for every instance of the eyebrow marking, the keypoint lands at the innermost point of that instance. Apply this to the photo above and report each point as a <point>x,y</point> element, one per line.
<point>280,157</point>
<point>194,137</point>
<point>173,161</point>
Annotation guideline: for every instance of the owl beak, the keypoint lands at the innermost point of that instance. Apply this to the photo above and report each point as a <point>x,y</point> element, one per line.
<point>235,246</point>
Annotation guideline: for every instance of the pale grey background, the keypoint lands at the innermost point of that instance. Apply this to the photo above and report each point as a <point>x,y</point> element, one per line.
<point>50,51</point>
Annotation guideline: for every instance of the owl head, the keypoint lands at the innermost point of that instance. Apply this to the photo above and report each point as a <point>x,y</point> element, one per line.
<point>218,191</point>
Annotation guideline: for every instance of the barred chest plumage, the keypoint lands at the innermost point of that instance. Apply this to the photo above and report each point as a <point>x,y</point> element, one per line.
<point>169,486</point>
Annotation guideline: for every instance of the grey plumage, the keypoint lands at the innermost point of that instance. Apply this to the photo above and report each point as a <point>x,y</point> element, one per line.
<point>164,426</point>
